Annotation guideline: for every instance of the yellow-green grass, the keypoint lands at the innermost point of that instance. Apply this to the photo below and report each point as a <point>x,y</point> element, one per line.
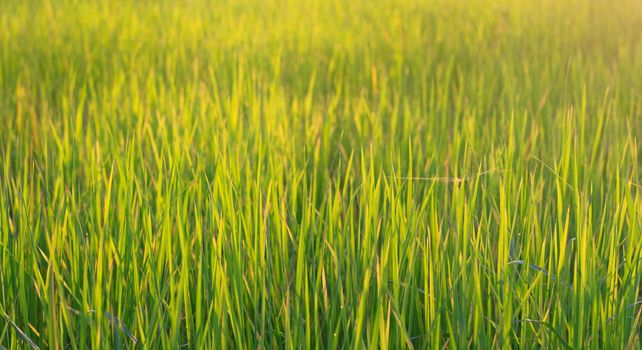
<point>320,174</point>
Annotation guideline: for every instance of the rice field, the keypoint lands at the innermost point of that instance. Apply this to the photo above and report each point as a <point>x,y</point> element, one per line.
<point>294,174</point>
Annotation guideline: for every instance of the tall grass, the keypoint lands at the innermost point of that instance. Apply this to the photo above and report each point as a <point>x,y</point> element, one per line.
<point>320,174</point>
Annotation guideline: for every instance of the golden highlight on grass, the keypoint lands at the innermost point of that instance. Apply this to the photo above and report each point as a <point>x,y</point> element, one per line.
<point>320,174</point>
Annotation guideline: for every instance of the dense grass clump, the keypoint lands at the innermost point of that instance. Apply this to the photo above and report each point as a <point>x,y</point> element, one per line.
<point>320,174</point>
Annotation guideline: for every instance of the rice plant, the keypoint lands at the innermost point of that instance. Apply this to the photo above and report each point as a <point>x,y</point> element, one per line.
<point>320,174</point>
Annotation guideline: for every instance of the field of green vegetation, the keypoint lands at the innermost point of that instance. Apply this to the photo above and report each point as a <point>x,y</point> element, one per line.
<point>320,174</point>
